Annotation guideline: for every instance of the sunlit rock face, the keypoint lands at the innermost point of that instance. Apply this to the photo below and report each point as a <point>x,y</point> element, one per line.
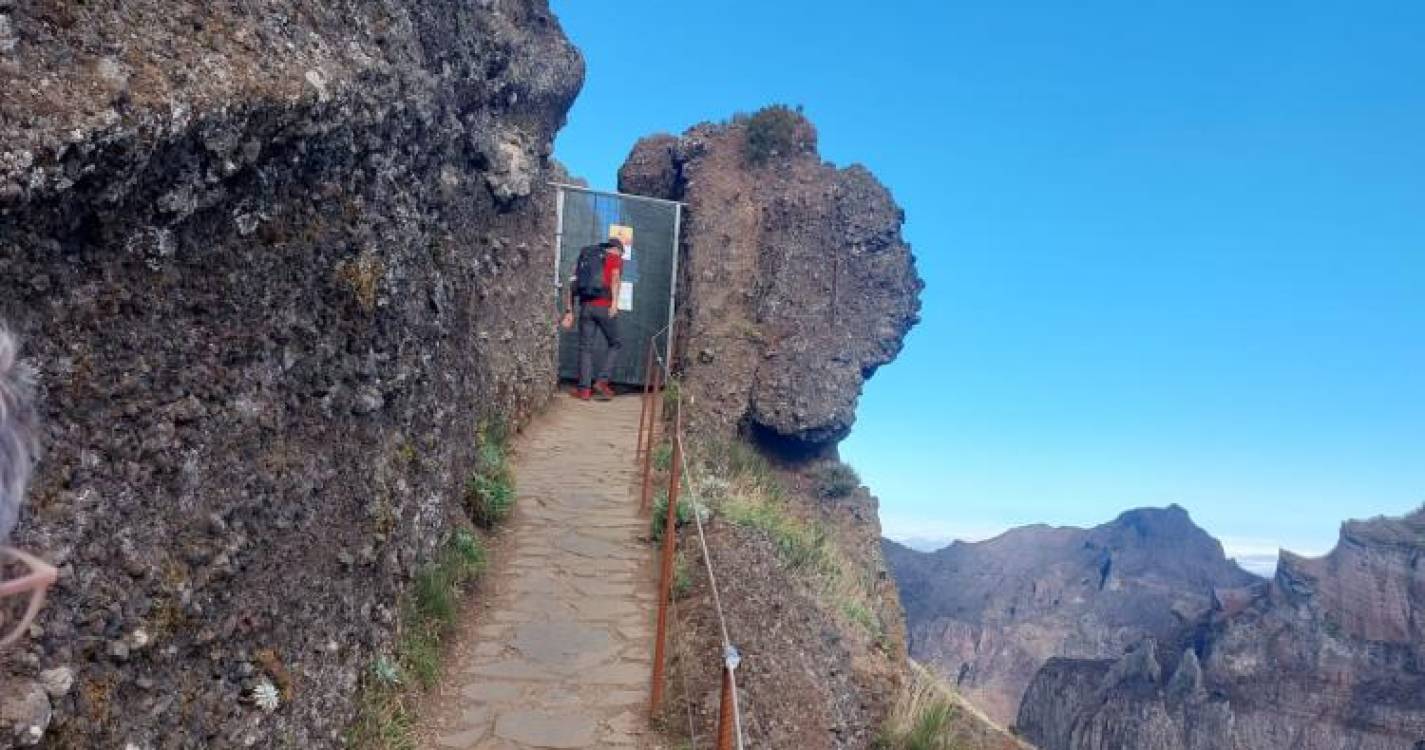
<point>987,615</point>
<point>796,284</point>
<point>1329,655</point>
<point>275,261</point>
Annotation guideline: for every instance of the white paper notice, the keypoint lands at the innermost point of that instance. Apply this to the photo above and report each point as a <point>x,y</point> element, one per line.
<point>625,296</point>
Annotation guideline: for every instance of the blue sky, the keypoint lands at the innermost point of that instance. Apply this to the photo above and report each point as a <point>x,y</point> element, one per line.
<point>1174,252</point>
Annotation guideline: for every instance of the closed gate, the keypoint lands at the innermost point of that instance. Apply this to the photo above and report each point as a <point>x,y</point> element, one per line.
<point>649,230</point>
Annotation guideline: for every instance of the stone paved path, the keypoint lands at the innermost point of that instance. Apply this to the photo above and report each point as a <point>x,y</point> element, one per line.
<point>557,655</point>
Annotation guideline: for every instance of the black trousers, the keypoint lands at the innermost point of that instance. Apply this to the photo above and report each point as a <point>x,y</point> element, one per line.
<point>592,322</point>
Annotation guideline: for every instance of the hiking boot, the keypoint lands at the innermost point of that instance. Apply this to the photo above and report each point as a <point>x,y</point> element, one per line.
<point>602,391</point>
<point>583,394</point>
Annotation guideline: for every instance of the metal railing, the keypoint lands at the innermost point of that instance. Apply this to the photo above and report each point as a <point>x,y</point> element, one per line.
<point>658,371</point>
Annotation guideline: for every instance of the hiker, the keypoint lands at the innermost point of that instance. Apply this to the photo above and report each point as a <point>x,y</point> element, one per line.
<point>23,578</point>
<point>595,284</point>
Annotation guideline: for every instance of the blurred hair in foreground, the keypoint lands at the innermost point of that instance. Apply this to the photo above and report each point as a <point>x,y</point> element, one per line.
<point>17,431</point>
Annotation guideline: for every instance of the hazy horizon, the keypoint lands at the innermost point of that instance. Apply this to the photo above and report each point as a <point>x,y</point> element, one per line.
<point>1255,556</point>
<point>1172,255</point>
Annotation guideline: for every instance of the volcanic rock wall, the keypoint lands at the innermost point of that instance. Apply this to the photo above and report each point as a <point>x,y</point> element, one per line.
<point>276,262</point>
<point>1327,656</point>
<point>795,285</point>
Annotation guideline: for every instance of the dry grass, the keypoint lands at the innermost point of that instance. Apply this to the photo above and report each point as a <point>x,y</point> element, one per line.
<point>929,715</point>
<point>740,485</point>
<point>362,275</point>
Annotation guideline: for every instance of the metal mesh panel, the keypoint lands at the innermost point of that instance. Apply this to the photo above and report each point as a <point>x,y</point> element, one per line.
<point>586,218</point>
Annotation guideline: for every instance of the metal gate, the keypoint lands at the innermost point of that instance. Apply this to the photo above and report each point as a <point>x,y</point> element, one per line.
<point>649,228</point>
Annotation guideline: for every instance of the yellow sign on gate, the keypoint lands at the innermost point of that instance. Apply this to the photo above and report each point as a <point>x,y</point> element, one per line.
<point>624,234</point>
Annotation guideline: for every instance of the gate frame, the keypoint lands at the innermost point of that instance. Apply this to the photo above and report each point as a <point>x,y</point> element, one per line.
<point>560,187</point>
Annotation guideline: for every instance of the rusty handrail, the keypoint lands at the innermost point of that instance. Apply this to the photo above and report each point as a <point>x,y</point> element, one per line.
<point>729,725</point>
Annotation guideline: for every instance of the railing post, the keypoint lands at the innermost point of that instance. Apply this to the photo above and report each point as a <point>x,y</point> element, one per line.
<point>647,388</point>
<point>725,731</point>
<point>656,410</point>
<point>652,429</point>
<point>665,577</point>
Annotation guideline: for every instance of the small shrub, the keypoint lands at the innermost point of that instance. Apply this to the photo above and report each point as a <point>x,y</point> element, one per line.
<point>926,716</point>
<point>466,555</point>
<point>859,613</point>
<point>683,514</point>
<point>663,456</point>
<point>490,490</point>
<point>744,466</point>
<point>383,720</point>
<point>434,605</point>
<point>682,577</point>
<point>932,728</point>
<point>489,500</point>
<point>385,671</point>
<point>777,131</point>
<point>801,547</point>
<point>495,431</point>
<point>419,652</point>
<point>434,596</point>
<point>836,480</point>
<point>672,392</point>
<point>491,460</point>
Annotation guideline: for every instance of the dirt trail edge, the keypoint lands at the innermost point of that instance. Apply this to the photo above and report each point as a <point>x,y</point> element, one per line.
<point>557,654</point>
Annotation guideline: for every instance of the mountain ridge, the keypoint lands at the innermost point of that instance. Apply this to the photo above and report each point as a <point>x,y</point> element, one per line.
<point>987,615</point>
<point>1326,655</point>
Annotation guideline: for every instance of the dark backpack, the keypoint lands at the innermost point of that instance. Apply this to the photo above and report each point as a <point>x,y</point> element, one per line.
<point>589,274</point>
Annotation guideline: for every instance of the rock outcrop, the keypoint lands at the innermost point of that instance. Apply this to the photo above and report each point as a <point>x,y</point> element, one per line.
<point>1330,655</point>
<point>276,262</point>
<point>795,284</point>
<point>987,615</point>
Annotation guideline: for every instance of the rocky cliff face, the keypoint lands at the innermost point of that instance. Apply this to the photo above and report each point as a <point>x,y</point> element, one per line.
<point>795,286</point>
<point>795,282</point>
<point>986,616</point>
<point>276,262</point>
<point>1327,656</point>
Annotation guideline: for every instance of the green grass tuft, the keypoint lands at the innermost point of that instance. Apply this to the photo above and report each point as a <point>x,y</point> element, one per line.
<point>800,546</point>
<point>383,720</point>
<point>930,715</point>
<point>489,499</point>
<point>683,514</point>
<point>663,456</point>
<point>682,577</point>
<point>777,131</point>
<point>430,612</point>
<point>490,490</point>
<point>671,393</point>
<point>835,479</point>
<point>745,489</point>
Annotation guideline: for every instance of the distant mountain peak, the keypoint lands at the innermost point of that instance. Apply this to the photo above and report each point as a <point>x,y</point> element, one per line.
<point>1173,519</point>
<point>986,615</point>
<point>1341,633</point>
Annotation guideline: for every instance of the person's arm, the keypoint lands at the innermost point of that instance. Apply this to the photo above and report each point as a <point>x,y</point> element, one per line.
<point>613,292</point>
<point>567,319</point>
